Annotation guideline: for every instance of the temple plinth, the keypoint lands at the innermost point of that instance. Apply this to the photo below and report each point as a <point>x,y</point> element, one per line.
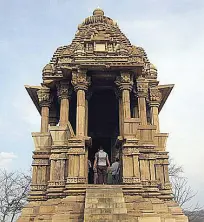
<point>100,90</point>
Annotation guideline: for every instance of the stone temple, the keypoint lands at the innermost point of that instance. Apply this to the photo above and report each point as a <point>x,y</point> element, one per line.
<point>100,90</point>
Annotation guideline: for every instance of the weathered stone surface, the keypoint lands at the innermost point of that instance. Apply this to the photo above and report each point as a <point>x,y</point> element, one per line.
<point>100,59</point>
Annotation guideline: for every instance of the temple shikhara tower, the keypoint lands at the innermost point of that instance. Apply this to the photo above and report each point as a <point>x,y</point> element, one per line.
<point>100,90</point>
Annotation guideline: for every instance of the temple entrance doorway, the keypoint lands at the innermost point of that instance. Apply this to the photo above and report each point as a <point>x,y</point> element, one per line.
<point>103,122</point>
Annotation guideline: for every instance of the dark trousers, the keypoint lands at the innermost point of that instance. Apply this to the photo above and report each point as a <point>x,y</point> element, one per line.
<point>102,174</point>
<point>115,179</point>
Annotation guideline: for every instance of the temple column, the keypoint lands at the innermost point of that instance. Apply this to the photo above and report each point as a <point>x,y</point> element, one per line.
<point>135,109</point>
<point>45,102</point>
<point>136,168</point>
<point>88,96</point>
<point>124,83</point>
<point>129,171</point>
<point>63,92</point>
<point>80,82</point>
<point>56,184</point>
<point>53,120</point>
<point>121,119</point>
<point>155,99</point>
<point>120,110</point>
<point>42,142</point>
<point>142,92</point>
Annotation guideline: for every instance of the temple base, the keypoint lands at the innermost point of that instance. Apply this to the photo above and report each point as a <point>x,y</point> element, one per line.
<point>97,202</point>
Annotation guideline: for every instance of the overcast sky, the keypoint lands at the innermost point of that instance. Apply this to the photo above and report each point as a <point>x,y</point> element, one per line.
<point>172,34</point>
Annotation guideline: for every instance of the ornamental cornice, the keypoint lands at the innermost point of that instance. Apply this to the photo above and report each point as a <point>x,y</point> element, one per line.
<point>80,80</point>
<point>130,151</point>
<point>74,180</point>
<point>124,81</point>
<point>44,97</point>
<point>131,180</point>
<point>155,96</point>
<point>63,90</point>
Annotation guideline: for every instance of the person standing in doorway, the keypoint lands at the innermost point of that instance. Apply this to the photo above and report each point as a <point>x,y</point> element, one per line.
<point>100,163</point>
<point>115,168</point>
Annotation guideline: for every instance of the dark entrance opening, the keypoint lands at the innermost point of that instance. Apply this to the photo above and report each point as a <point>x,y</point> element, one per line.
<point>103,121</point>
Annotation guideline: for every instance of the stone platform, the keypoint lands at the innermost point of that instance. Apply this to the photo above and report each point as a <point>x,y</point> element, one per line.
<point>103,203</point>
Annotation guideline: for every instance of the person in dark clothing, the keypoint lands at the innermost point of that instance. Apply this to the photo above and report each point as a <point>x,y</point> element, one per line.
<point>90,172</point>
<point>115,168</point>
<point>100,163</point>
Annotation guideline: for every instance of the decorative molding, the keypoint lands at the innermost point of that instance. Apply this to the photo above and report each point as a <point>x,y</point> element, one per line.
<point>80,80</point>
<point>56,183</point>
<point>58,156</point>
<point>76,180</point>
<point>41,162</point>
<point>130,151</point>
<point>124,81</point>
<point>44,97</point>
<point>155,97</point>
<point>64,90</point>
<point>38,187</point>
<point>142,87</point>
<point>131,180</point>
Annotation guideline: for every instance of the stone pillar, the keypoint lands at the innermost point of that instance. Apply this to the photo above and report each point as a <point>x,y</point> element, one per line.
<point>53,120</point>
<point>63,91</point>
<point>45,102</point>
<point>135,110</point>
<point>142,92</point>
<point>124,83</point>
<point>136,170</point>
<point>120,110</point>
<point>40,175</point>
<point>80,82</point>
<point>57,174</point>
<point>155,99</point>
<point>88,96</point>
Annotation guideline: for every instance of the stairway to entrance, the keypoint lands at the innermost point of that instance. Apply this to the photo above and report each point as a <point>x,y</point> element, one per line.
<point>105,203</point>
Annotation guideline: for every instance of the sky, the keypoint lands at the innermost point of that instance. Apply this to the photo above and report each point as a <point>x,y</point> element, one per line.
<point>170,31</point>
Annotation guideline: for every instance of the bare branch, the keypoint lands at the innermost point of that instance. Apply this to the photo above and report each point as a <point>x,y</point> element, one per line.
<point>14,187</point>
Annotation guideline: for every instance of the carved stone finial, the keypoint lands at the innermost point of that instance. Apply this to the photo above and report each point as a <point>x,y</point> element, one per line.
<point>124,81</point>
<point>98,12</point>
<point>63,90</point>
<point>152,71</point>
<point>44,96</point>
<point>80,80</point>
<point>48,69</point>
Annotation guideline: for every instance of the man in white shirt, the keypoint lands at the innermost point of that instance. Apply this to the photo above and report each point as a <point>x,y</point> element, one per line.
<point>100,163</point>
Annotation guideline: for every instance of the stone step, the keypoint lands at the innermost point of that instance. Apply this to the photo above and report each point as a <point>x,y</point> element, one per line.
<point>104,217</point>
<point>105,210</point>
<point>106,194</point>
<point>103,191</point>
<point>105,200</point>
<point>105,205</point>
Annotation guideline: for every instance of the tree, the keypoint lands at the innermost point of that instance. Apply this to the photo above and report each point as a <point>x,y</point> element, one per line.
<point>183,193</point>
<point>14,187</point>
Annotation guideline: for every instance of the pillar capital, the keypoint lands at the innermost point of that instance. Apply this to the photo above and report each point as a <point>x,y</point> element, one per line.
<point>124,81</point>
<point>63,90</point>
<point>80,80</point>
<point>155,97</point>
<point>142,87</point>
<point>44,97</point>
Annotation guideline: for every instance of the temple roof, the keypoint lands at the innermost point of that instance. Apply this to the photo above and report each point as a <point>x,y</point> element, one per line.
<point>98,42</point>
